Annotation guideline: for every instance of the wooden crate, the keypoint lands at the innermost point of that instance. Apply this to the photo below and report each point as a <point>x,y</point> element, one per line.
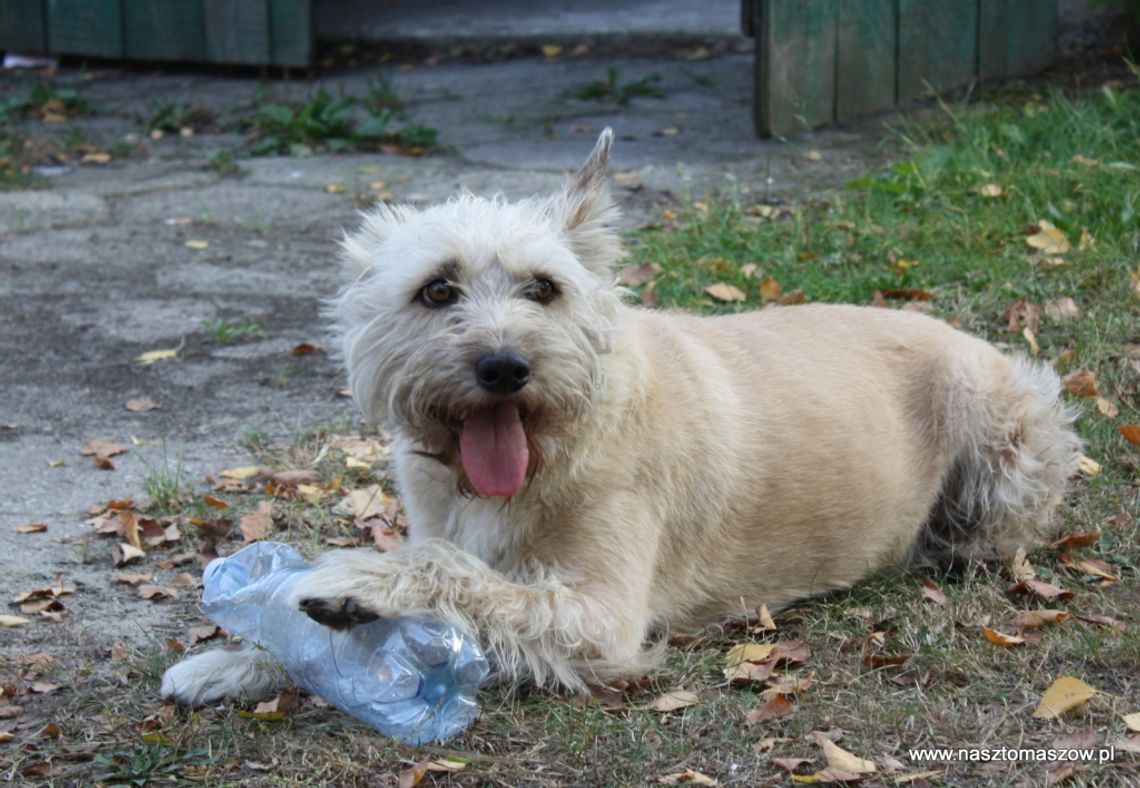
<point>822,61</point>
<point>255,32</point>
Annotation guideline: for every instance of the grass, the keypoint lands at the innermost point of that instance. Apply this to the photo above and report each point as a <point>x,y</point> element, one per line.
<point>226,332</point>
<point>924,225</point>
<point>612,88</point>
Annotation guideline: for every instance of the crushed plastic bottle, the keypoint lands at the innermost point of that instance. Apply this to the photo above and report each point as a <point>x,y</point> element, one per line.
<point>413,678</point>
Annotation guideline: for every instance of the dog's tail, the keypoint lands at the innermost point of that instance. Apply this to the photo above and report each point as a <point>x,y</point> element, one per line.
<point>1013,452</point>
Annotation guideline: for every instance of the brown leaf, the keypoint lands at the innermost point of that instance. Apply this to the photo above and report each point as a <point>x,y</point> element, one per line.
<point>1080,383</point>
<point>909,294</point>
<point>31,528</point>
<point>294,478</point>
<point>204,632</point>
<point>102,447</point>
<point>776,707</point>
<point>255,526</point>
<point>1100,621</point>
<point>10,712</point>
<point>770,289</point>
<point>155,593</point>
<point>1033,587</point>
<point>764,621</point>
<point>124,553</point>
<point>749,672</point>
<point>366,504</point>
<point>1107,407</point>
<point>687,776</point>
<point>1131,433</point>
<point>791,298</point>
<point>134,580</point>
<point>637,275</point>
<point>141,405</point>
<point>1081,740</point>
<point>932,593</point>
<point>214,502</point>
<point>44,688</point>
<point>103,462</point>
<point>1002,639</point>
<point>725,292</point>
<point>1035,619</point>
<point>384,537</point>
<point>791,764</point>
<point>788,686</point>
<point>876,660</point>
<point>1077,539</point>
<point>1021,314</point>
<point>672,701</point>
<point>305,348</point>
<point>1062,309</point>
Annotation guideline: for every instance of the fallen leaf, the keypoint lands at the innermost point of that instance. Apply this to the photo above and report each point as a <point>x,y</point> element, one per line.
<point>990,190</point>
<point>31,528</point>
<point>384,537</point>
<point>687,776</point>
<point>1131,433</point>
<point>12,621</point>
<point>1048,239</point>
<point>364,504</point>
<point>305,348</point>
<point>672,701</point>
<point>1021,314</point>
<point>788,686</point>
<point>551,50</point>
<point>243,472</point>
<point>1083,160</point>
<point>749,270</point>
<point>1062,309</point>
<point>1034,587</point>
<point>1077,741</point>
<point>134,580</point>
<point>198,245</point>
<point>255,526</point>
<point>1107,407</point>
<point>1035,619</point>
<point>841,759</point>
<point>44,688</point>
<point>813,155</point>
<point>1063,694</point>
<point>1020,567</point>
<point>1077,539</point>
<point>124,553</point>
<point>749,672</point>
<point>334,188</point>
<point>1127,744</point>
<point>931,592</point>
<point>204,632</point>
<point>749,652</point>
<point>791,764</point>
<point>102,447</point>
<point>141,405</point>
<point>1095,567</point>
<point>776,707</point>
<point>1002,639</point>
<point>1088,466</point>
<point>153,592</point>
<point>1080,383</point>
<point>183,580</point>
<point>637,275</point>
<point>764,621</point>
<point>152,356</point>
<point>791,299</point>
<point>1099,620</point>
<point>770,289</point>
<point>909,294</point>
<point>99,157</point>
<point>725,292</point>
<point>1132,721</point>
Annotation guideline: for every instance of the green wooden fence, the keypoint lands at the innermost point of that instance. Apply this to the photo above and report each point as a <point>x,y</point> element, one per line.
<point>822,61</point>
<point>277,32</point>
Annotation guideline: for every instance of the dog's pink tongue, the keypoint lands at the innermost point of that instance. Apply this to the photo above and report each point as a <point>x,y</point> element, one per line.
<point>492,445</point>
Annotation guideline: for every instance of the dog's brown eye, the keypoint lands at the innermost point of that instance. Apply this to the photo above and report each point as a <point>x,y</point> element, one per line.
<point>542,291</point>
<point>438,293</point>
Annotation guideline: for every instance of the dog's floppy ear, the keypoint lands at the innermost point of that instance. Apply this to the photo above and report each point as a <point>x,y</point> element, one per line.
<point>587,213</point>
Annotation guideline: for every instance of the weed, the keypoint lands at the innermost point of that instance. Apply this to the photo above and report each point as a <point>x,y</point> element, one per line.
<point>611,88</point>
<point>172,117</point>
<point>165,487</point>
<point>382,94</point>
<point>145,761</point>
<point>221,161</point>
<point>42,98</point>
<point>225,332</point>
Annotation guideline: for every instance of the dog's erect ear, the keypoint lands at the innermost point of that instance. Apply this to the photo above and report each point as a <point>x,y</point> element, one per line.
<point>587,212</point>
<point>358,249</point>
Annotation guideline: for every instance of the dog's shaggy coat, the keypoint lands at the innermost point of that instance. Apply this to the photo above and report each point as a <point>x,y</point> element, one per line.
<point>648,471</point>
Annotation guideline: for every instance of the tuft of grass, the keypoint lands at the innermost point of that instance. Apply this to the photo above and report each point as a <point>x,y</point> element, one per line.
<point>165,486</point>
<point>226,332</point>
<point>41,97</point>
<point>172,117</point>
<point>611,88</point>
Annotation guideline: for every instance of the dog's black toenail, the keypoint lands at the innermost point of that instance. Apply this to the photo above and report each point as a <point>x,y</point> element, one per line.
<point>344,616</point>
<point>358,614</point>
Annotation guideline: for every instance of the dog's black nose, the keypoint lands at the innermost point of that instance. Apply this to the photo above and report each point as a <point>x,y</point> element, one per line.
<point>502,373</point>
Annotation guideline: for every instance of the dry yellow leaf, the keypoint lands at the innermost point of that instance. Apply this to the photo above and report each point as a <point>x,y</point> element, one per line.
<point>842,760</point>
<point>151,356</point>
<point>1063,694</point>
<point>991,190</point>
<point>199,245</point>
<point>1107,407</point>
<point>1048,239</point>
<point>95,158</point>
<point>243,472</point>
<point>765,622</point>
<point>1087,466</point>
<point>551,50</point>
<point>725,292</point>
<point>12,621</point>
<point>1002,639</point>
<point>749,652</point>
<point>687,776</point>
<point>1132,721</point>
<point>673,700</point>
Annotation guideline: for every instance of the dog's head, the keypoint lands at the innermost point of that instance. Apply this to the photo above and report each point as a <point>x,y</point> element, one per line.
<point>477,328</point>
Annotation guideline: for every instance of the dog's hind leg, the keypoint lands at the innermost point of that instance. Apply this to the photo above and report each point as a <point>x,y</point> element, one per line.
<point>242,673</point>
<point>1010,452</point>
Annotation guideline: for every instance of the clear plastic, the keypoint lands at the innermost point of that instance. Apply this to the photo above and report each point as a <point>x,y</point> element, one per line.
<point>413,678</point>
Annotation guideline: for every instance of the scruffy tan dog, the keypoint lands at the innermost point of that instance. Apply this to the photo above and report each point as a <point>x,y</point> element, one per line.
<point>579,474</point>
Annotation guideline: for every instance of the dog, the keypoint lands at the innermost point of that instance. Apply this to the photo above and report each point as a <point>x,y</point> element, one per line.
<point>581,476</point>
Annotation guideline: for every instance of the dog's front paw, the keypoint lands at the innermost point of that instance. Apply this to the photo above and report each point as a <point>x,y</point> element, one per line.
<point>337,613</point>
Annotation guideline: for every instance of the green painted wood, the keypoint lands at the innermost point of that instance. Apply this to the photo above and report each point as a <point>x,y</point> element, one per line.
<point>22,27</point>
<point>796,64</point>
<point>865,67</point>
<point>237,32</point>
<point>993,38</point>
<point>85,27</point>
<point>164,30</point>
<point>938,46</point>
<point>291,32</point>
<point>1032,42</point>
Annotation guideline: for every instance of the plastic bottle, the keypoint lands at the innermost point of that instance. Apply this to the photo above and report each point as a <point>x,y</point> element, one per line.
<point>413,678</point>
